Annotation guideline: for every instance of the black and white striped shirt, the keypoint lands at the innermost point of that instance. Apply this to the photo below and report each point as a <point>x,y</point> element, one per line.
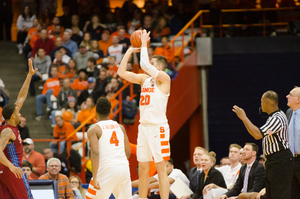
<point>275,133</point>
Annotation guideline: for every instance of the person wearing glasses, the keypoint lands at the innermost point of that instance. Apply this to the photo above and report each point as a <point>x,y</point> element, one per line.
<point>79,192</point>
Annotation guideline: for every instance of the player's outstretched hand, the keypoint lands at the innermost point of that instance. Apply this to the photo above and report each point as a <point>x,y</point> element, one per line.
<point>239,112</point>
<point>96,184</point>
<point>31,70</point>
<point>17,171</point>
<point>135,50</point>
<point>145,36</point>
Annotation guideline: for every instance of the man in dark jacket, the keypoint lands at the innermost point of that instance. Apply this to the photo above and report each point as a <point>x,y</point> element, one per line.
<point>65,92</point>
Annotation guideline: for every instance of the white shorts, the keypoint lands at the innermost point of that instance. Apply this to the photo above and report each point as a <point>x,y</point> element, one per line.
<point>153,141</point>
<point>112,180</point>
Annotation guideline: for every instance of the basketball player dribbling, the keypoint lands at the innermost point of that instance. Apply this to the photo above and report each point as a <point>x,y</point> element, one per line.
<point>13,182</point>
<point>110,151</point>
<point>154,133</point>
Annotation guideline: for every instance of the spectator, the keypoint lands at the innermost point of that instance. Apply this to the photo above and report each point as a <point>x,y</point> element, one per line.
<point>75,22</point>
<point>194,173</point>
<point>161,30</point>
<point>42,62</point>
<point>91,69</point>
<point>51,87</point>
<point>4,94</point>
<point>81,82</point>
<point>151,52</point>
<point>147,23</point>
<point>58,45</point>
<point>225,162</point>
<point>63,185</point>
<point>82,56</point>
<point>94,27</point>
<point>43,42</point>
<point>65,92</point>
<point>105,42</point>
<point>101,82</point>
<point>76,35</point>
<point>32,31</point>
<point>87,109</point>
<point>61,130</point>
<point>51,29</point>
<point>91,91</point>
<point>116,49</point>
<point>79,192</point>
<point>98,54</point>
<point>61,65</point>
<point>24,131</point>
<point>6,18</point>
<point>31,40</point>
<point>68,43</point>
<point>48,153</point>
<point>122,39</point>
<point>45,17</point>
<point>162,50</point>
<point>262,159</point>
<point>27,168</point>
<point>114,84</point>
<point>24,23</point>
<point>72,107</point>
<point>174,22</point>
<point>65,19</point>
<point>44,4</point>
<point>87,40</point>
<point>135,22</point>
<point>34,157</point>
<point>57,33</point>
<point>112,67</point>
<point>110,22</point>
<point>65,58</point>
<point>71,70</point>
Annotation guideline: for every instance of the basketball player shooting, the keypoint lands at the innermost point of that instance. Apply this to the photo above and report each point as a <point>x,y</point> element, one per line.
<point>154,133</point>
<point>13,182</point>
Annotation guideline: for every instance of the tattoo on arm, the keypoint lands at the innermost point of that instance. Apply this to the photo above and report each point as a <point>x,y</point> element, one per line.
<point>23,92</point>
<point>5,137</point>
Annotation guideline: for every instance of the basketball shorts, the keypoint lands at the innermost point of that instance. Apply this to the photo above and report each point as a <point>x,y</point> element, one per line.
<point>153,143</point>
<point>12,187</point>
<point>112,180</point>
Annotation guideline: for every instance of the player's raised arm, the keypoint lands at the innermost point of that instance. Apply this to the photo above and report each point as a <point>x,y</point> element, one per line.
<point>130,76</point>
<point>24,90</point>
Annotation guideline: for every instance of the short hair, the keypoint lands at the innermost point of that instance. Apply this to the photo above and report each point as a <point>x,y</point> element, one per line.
<point>103,106</point>
<point>235,145</point>
<point>272,95</point>
<point>201,148</point>
<point>8,110</point>
<point>254,147</point>
<point>93,60</point>
<point>161,60</point>
<point>54,66</point>
<point>58,52</point>
<point>27,164</point>
<point>41,48</point>
<point>171,161</point>
<point>53,159</point>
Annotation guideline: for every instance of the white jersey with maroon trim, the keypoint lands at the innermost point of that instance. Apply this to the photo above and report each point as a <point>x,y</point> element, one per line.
<point>153,103</point>
<point>111,144</point>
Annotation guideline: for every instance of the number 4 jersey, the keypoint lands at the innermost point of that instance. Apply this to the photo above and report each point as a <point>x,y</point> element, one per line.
<point>153,103</point>
<point>111,144</point>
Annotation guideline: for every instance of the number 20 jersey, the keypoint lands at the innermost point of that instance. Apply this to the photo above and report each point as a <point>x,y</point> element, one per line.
<point>111,144</point>
<point>153,103</point>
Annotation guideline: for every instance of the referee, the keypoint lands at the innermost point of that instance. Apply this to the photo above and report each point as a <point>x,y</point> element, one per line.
<point>279,164</point>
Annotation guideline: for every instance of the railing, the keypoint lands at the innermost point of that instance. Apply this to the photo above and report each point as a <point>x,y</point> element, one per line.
<point>179,53</point>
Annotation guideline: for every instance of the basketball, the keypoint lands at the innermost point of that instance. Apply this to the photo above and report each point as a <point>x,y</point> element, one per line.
<point>135,39</point>
<point>67,116</point>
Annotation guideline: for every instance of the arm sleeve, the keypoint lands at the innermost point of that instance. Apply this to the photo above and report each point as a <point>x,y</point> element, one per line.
<point>20,22</point>
<point>146,66</point>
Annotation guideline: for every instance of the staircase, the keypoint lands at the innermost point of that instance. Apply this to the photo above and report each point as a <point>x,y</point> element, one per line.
<point>13,74</point>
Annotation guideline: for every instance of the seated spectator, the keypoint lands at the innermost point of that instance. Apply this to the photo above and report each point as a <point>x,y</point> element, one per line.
<point>116,33</point>
<point>101,82</point>
<point>71,70</point>
<point>61,65</point>
<point>57,33</point>
<point>87,40</point>
<point>45,17</point>
<point>63,185</point>
<point>31,40</point>
<point>81,82</point>
<point>254,182</point>
<point>129,110</point>
<point>112,67</point>
<point>172,173</point>
<point>24,131</point>
<point>94,27</point>
<point>58,45</point>
<point>122,39</point>
<point>207,176</point>
<point>114,84</point>
<point>225,162</point>
<point>262,159</point>
<point>51,28</point>
<point>51,87</point>
<point>195,171</point>
<point>91,69</point>
<point>27,168</point>
<point>161,30</point>
<point>105,42</point>
<point>174,23</point>
<point>72,107</point>
<point>4,94</point>
<point>43,42</point>
<point>61,130</point>
<point>42,62</point>
<point>82,56</point>
<point>113,101</point>
<point>91,91</point>
<point>162,50</point>
<point>136,22</point>
<point>48,153</point>
<point>147,23</point>
<point>69,44</point>
<point>79,192</point>
<point>110,22</point>
<point>75,23</point>
<point>116,49</point>
<point>98,54</point>
<point>76,35</point>
<point>24,23</point>
<point>35,158</point>
<point>87,109</point>
<point>151,52</point>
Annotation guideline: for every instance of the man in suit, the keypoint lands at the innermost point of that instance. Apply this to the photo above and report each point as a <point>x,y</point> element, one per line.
<point>194,173</point>
<point>251,176</point>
